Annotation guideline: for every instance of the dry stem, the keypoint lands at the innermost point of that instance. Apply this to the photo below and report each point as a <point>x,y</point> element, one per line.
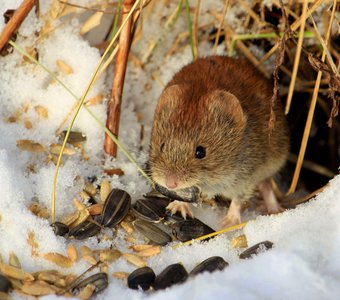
<point>114,104</point>
<point>14,23</point>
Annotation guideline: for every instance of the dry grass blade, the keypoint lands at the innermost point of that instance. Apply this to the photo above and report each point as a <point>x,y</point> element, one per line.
<point>195,31</point>
<point>218,34</point>
<point>297,57</point>
<point>310,113</point>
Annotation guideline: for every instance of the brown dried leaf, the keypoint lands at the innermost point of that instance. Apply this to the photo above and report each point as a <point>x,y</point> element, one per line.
<point>58,259</point>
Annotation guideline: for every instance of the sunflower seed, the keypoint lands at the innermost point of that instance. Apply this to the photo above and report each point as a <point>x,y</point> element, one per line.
<point>257,248</point>
<point>142,277</point>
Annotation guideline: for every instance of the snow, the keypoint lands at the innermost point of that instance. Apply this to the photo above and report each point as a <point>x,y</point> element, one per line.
<point>304,262</point>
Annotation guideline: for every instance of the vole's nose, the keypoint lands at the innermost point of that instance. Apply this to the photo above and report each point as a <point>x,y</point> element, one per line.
<point>171,181</point>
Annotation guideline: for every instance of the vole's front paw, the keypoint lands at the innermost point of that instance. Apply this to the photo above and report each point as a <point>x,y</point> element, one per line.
<point>180,206</point>
<point>233,216</point>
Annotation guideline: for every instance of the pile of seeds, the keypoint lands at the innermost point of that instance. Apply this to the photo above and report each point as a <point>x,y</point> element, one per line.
<point>148,216</point>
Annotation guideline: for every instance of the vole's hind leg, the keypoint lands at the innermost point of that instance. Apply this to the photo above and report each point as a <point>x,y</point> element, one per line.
<point>233,216</point>
<point>180,206</point>
<point>272,205</point>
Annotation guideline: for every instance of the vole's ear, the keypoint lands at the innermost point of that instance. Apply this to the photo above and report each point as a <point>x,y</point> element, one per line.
<point>226,104</point>
<point>170,95</point>
<point>169,98</point>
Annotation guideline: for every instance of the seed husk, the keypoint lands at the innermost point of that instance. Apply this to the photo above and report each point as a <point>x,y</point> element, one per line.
<point>116,207</point>
<point>41,111</point>
<point>239,242</point>
<point>120,275</point>
<point>190,194</point>
<point>52,277</point>
<point>58,259</point>
<point>152,232</point>
<point>190,229</point>
<point>259,247</point>
<point>88,255</point>
<point>60,228</point>
<point>14,260</point>
<point>127,227</point>
<point>30,146</point>
<point>134,259</point>
<point>99,280</point>
<point>143,277</point>
<point>140,247</point>
<point>74,137</point>
<point>95,209</point>
<point>151,209</point>
<point>109,255</point>
<point>84,230</point>
<point>171,275</point>
<point>15,273</point>
<point>86,292</point>
<point>105,190</point>
<point>39,288</point>
<point>56,148</point>
<point>64,67</point>
<point>150,251</point>
<point>211,264</point>
<point>72,252</point>
<point>90,189</point>
<point>5,284</point>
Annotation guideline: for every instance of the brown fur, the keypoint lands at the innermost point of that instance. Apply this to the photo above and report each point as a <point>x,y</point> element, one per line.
<point>222,104</point>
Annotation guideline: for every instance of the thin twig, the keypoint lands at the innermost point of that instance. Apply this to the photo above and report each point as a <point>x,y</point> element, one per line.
<point>15,22</point>
<point>297,57</point>
<point>114,104</point>
<point>310,113</point>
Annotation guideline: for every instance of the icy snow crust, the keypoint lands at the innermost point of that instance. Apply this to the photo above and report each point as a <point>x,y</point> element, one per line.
<point>304,264</point>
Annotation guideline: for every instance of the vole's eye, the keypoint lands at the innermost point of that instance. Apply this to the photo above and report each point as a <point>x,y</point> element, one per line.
<point>162,147</point>
<point>200,152</point>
